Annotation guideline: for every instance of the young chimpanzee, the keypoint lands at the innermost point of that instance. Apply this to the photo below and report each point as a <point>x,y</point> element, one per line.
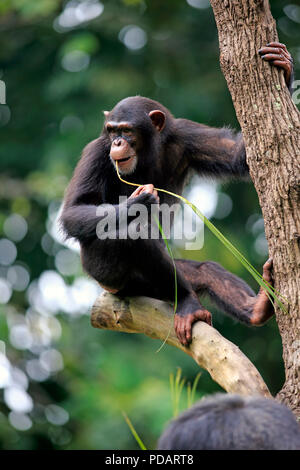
<point>151,146</point>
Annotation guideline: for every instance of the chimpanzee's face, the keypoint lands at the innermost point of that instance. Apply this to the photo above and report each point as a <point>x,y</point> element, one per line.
<point>124,140</point>
<point>131,127</point>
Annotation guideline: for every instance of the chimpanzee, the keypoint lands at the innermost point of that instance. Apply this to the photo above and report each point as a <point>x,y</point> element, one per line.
<point>156,150</point>
<point>233,422</point>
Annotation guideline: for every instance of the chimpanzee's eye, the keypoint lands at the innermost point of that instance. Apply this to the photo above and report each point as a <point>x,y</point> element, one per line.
<point>126,130</point>
<point>111,132</point>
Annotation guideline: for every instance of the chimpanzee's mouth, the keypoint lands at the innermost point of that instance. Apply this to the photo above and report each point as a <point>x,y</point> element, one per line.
<point>125,159</point>
<point>126,165</point>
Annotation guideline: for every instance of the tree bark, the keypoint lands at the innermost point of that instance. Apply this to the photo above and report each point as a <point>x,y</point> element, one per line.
<point>270,123</point>
<point>227,365</point>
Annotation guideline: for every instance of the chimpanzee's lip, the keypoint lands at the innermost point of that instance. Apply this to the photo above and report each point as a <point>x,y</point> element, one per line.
<point>123,160</point>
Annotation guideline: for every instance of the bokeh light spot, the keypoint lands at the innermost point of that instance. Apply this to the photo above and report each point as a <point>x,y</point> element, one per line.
<point>56,415</point>
<point>70,124</point>
<point>52,360</point>
<point>199,3</point>
<point>77,12</point>
<point>15,227</point>
<point>20,337</point>
<point>5,291</point>
<point>18,400</point>
<point>5,376</point>
<point>8,252</point>
<point>19,421</point>
<point>224,206</point>
<point>4,115</point>
<point>18,277</point>
<point>133,37</point>
<point>67,262</point>
<point>75,61</point>
<point>36,371</point>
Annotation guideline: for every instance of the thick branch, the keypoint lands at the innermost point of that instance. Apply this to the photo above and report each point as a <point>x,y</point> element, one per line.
<point>227,365</point>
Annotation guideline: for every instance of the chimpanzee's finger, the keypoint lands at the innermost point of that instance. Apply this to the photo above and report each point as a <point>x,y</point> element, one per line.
<point>281,62</point>
<point>137,192</point>
<point>155,194</point>
<point>273,57</point>
<point>271,50</point>
<point>277,44</point>
<point>267,270</point>
<point>179,329</point>
<point>281,48</point>
<point>148,188</point>
<point>276,50</point>
<point>188,329</point>
<point>203,315</point>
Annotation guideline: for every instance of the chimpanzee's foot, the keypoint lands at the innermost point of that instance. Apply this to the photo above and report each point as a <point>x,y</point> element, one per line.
<point>183,324</point>
<point>263,308</point>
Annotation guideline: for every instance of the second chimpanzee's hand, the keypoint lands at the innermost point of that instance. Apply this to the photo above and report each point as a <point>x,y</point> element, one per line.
<point>278,55</point>
<point>183,324</point>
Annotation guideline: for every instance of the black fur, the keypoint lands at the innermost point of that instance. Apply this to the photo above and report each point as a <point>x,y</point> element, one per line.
<point>233,422</point>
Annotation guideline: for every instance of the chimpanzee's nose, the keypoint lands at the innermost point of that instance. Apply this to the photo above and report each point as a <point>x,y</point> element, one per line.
<point>120,149</point>
<point>118,142</point>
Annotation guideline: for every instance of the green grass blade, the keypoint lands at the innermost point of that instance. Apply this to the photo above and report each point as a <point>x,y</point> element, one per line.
<point>172,391</point>
<point>193,392</point>
<point>134,433</point>
<point>189,395</point>
<point>175,279</point>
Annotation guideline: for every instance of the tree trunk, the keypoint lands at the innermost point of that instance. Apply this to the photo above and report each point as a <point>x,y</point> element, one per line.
<point>270,124</point>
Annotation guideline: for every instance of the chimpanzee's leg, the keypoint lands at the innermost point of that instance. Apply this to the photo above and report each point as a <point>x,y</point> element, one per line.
<point>152,274</point>
<point>228,292</point>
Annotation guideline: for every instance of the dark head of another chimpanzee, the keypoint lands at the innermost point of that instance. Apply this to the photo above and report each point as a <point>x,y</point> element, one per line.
<point>135,125</point>
<point>233,422</point>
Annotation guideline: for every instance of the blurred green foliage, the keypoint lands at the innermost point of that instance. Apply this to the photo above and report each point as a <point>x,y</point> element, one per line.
<point>63,384</point>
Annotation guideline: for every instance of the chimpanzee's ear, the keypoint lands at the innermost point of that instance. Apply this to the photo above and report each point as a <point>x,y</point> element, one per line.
<point>106,113</point>
<point>158,119</point>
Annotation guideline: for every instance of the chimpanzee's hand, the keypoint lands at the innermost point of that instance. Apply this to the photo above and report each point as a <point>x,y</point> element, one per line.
<point>146,188</point>
<point>145,194</point>
<point>278,55</point>
<point>146,199</point>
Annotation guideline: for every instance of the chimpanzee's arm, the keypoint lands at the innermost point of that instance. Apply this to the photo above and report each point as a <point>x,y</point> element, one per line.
<point>213,151</point>
<point>80,221</point>
<point>221,152</point>
<point>79,218</point>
